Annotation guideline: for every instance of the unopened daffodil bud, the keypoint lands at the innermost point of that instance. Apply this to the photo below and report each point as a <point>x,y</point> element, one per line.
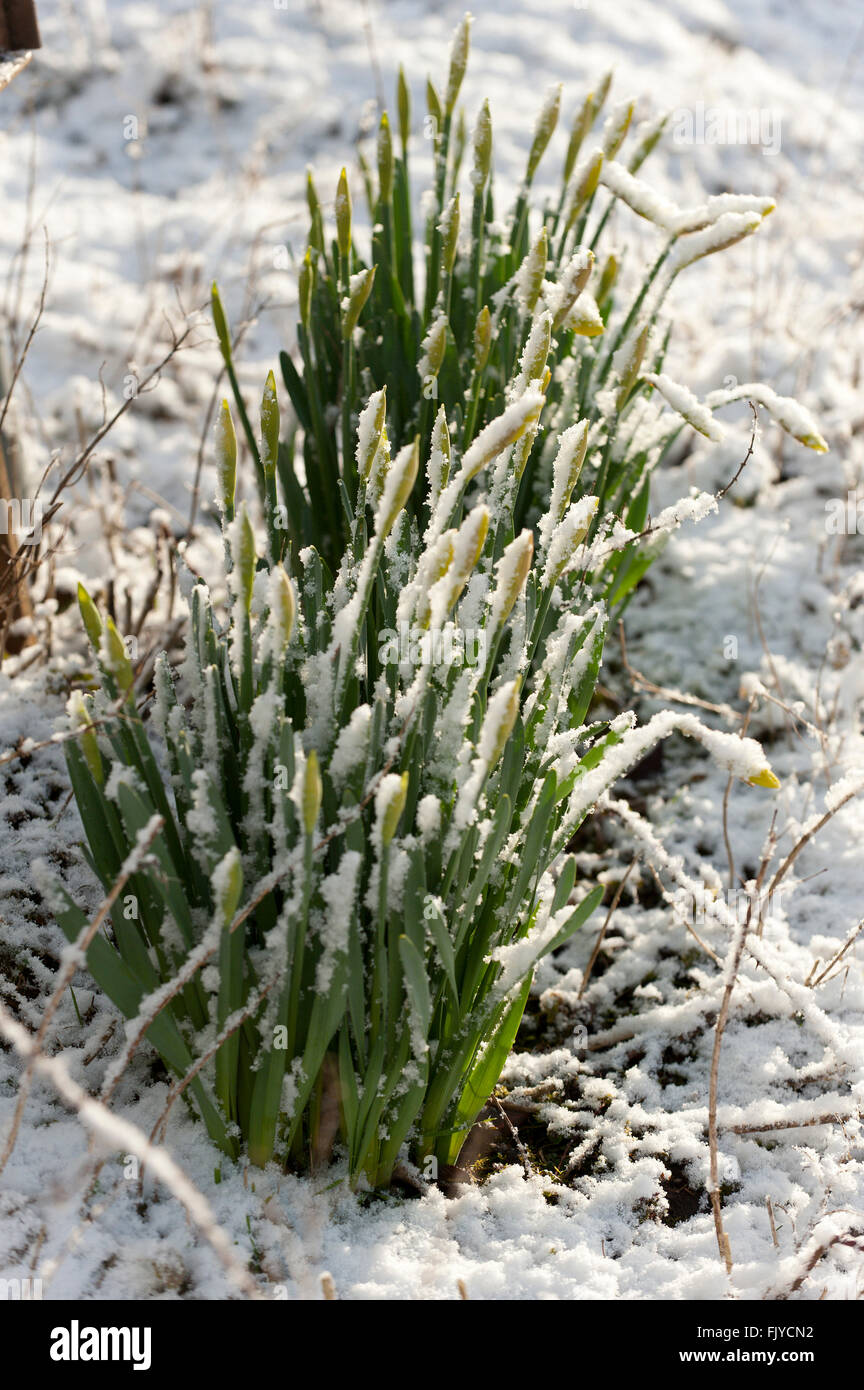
<point>90,617</point>
<point>532,272</point>
<point>313,792</point>
<point>244,557</point>
<point>225,441</point>
<point>269,425</point>
<point>343,214</point>
<point>482,147</point>
<point>544,130</point>
<point>115,656</point>
<point>582,123</point>
<point>359,289</point>
<point>385,160</point>
<point>403,102</point>
<point>283,606</point>
<point>390,803</point>
<point>458,63</point>
<point>482,338</point>
<point>220,322</point>
<point>397,487</point>
<point>449,229</point>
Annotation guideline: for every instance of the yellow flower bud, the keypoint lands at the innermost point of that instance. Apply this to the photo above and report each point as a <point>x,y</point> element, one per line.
<point>385,160</point>
<point>403,102</point>
<point>226,460</point>
<point>115,656</point>
<point>482,147</point>
<point>458,62</point>
<point>269,425</point>
<point>313,792</point>
<point>305,282</point>
<point>449,229</point>
<point>244,557</point>
<point>343,214</point>
<point>359,289</point>
<point>393,806</point>
<point>220,322</point>
<point>532,272</point>
<point>283,605</point>
<point>543,131</point>
<point>90,616</point>
<point>482,338</point>
<point>765,778</point>
<point>582,123</point>
<point>397,488</point>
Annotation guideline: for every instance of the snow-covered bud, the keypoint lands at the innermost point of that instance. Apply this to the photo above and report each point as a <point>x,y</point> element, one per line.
<point>512,571</point>
<point>616,127</point>
<point>532,363</point>
<point>227,885</point>
<point>244,557</point>
<point>543,130</point>
<point>602,92</point>
<point>458,63</point>
<point>467,549</point>
<point>449,229</point>
<point>385,159</point>
<point>482,147</point>
<point>482,338</point>
<point>390,801</point>
<point>569,459</point>
<point>226,460</point>
<point>283,606</point>
<point>370,427</point>
<point>532,272</point>
<point>343,214</point>
<point>574,278</point>
<point>79,717</point>
<point>433,347</point>
<point>729,229</point>
<point>584,318</point>
<point>567,537</point>
<point>397,488</point>
<point>434,564</point>
<point>501,716</point>
<point>688,406</point>
<point>500,433</point>
<point>440,454</point>
<point>313,792</point>
<point>269,425</point>
<point>586,178</point>
<point>359,289</point>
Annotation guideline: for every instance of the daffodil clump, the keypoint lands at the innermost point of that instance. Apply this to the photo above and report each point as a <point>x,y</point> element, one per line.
<point>508,299</point>
<point>342,834</point>
<point>357,846</point>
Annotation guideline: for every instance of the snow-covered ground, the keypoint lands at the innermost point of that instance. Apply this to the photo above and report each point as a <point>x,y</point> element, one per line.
<point>162,144</point>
